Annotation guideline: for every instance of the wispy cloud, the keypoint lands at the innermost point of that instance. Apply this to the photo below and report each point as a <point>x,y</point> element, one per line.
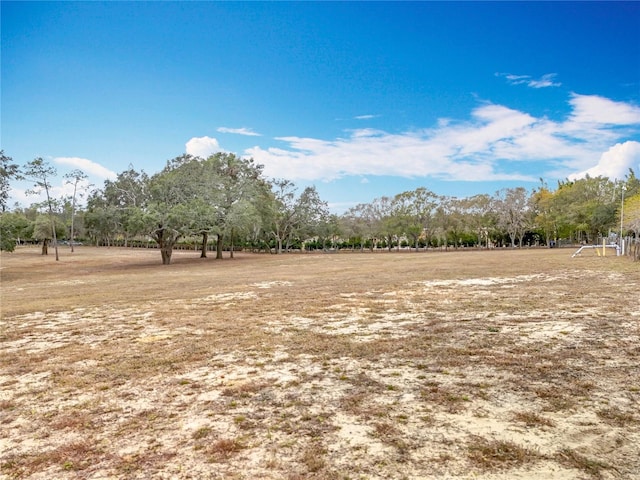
<point>495,143</point>
<point>239,131</point>
<point>365,117</point>
<point>87,166</point>
<point>546,80</point>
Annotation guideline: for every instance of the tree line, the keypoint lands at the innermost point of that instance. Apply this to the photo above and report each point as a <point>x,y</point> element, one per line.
<point>224,202</point>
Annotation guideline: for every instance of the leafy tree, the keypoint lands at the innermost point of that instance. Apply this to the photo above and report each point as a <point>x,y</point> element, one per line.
<point>129,189</point>
<point>479,217</point>
<point>43,231</point>
<point>245,220</point>
<point>452,220</point>
<point>414,211</point>
<point>363,221</point>
<point>631,218</point>
<point>173,205</point>
<point>233,189</point>
<point>512,206</point>
<point>329,228</point>
<point>631,183</point>
<point>631,222</point>
<point>313,214</point>
<point>118,204</point>
<point>40,172</point>
<point>8,225</point>
<point>585,206</point>
<point>282,215</point>
<point>387,224</point>
<point>8,171</point>
<point>546,215</point>
<point>289,216</point>
<point>102,221</point>
<point>12,227</point>
<point>352,226</point>
<point>198,185</point>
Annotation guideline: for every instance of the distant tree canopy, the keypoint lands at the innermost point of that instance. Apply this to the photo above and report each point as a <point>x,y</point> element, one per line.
<point>225,199</point>
<point>577,211</point>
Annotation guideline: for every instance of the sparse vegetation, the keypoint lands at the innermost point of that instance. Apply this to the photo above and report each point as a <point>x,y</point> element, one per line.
<point>498,454</point>
<point>617,417</point>
<point>223,448</point>
<point>533,419</point>
<point>571,458</point>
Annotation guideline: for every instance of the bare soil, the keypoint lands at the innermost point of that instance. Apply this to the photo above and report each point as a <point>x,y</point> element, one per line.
<point>513,364</point>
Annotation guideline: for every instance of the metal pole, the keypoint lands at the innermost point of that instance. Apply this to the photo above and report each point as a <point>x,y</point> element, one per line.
<point>622,220</point>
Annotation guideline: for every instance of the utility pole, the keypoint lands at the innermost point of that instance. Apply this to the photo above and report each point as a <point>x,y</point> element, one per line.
<point>622,221</point>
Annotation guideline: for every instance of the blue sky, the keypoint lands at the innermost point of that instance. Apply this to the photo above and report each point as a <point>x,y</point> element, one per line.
<point>360,99</point>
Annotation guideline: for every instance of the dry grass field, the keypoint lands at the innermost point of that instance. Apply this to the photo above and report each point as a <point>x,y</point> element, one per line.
<point>476,364</point>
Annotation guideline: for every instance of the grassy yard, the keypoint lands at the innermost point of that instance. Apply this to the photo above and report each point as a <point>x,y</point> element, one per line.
<point>472,364</point>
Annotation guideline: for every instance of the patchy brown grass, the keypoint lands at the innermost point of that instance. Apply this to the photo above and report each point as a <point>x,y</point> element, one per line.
<point>495,455</point>
<point>533,419</point>
<point>592,466</point>
<point>223,448</point>
<point>467,364</point>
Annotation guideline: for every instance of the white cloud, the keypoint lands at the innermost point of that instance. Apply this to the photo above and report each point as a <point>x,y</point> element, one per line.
<point>593,109</point>
<point>365,117</point>
<point>496,143</point>
<point>615,162</point>
<point>239,131</point>
<point>202,146</point>
<point>87,166</point>
<point>547,80</point>
<point>373,153</point>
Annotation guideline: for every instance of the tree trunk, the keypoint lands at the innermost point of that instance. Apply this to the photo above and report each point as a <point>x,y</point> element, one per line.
<point>55,245</point>
<point>205,239</point>
<point>219,247</point>
<point>165,245</point>
<point>72,232</point>
<point>165,252</point>
<point>45,247</point>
